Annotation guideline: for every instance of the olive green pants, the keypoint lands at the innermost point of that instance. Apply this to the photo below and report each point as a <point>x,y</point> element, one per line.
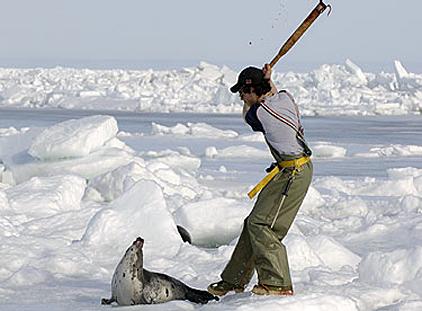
<point>260,247</point>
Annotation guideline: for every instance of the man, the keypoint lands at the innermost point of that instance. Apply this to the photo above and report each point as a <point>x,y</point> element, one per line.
<point>259,248</point>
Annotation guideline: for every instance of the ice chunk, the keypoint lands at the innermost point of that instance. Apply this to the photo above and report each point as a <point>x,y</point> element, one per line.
<point>319,251</point>
<point>240,151</point>
<point>20,166</point>
<point>212,222</point>
<point>209,71</point>
<point>174,159</point>
<point>353,68</point>
<point>206,130</point>
<point>194,129</point>
<point>229,77</point>
<point>96,163</point>
<point>397,150</point>
<point>313,199</point>
<point>301,254</point>
<point>394,187</point>
<point>74,138</point>
<point>211,152</point>
<point>399,173</point>
<point>400,71</point>
<point>332,253</point>
<point>8,131</point>
<point>395,267</point>
<point>322,150</point>
<point>178,129</point>
<point>256,137</point>
<point>113,184</point>
<point>141,211</point>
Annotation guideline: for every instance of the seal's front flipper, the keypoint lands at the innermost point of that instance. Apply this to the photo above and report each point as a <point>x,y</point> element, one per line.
<point>199,296</point>
<point>184,234</point>
<point>107,301</point>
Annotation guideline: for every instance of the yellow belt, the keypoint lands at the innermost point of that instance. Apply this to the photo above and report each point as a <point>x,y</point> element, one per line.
<point>297,163</point>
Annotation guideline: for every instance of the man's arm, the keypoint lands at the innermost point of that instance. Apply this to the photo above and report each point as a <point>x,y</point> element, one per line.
<point>267,70</point>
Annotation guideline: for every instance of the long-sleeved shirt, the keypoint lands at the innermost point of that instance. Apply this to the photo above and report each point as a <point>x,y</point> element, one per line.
<point>279,120</point>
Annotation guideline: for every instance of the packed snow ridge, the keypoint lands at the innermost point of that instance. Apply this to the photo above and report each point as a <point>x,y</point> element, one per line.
<point>330,90</point>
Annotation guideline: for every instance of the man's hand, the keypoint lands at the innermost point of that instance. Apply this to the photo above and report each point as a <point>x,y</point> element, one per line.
<point>267,70</point>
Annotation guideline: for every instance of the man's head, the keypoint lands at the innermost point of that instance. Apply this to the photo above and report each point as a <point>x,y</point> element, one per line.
<point>251,80</point>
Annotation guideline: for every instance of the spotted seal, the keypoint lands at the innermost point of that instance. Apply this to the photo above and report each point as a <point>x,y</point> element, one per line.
<point>132,284</point>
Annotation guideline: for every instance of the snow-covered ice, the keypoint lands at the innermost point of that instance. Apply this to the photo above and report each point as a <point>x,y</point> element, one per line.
<point>140,211</point>
<point>197,130</point>
<point>77,186</point>
<point>74,138</point>
<point>86,147</point>
<point>212,222</point>
<point>329,90</point>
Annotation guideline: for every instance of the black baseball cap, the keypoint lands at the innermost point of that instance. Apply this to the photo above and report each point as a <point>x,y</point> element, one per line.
<point>248,76</point>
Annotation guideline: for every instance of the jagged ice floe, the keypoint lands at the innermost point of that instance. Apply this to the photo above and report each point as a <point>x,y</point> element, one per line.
<point>329,90</point>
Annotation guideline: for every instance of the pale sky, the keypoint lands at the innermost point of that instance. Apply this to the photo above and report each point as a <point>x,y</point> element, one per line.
<point>160,33</point>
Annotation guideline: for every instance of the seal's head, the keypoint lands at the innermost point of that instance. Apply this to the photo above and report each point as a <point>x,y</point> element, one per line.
<point>138,243</point>
<point>134,255</point>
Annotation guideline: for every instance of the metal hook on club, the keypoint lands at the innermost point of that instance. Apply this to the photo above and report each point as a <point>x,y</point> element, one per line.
<point>321,2</point>
<point>329,9</point>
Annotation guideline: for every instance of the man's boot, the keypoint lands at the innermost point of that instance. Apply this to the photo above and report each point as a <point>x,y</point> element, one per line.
<point>221,288</point>
<point>262,289</point>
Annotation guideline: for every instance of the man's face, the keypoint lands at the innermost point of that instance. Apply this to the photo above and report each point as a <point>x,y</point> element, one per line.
<point>248,96</point>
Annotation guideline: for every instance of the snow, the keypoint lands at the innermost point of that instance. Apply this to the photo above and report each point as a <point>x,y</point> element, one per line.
<point>46,196</point>
<point>344,89</point>
<point>78,186</point>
